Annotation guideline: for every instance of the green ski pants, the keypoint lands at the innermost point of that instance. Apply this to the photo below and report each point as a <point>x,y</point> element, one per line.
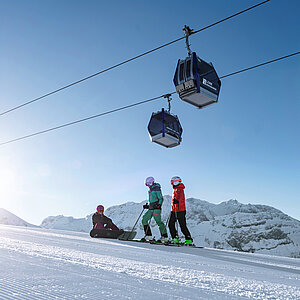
<point>156,214</point>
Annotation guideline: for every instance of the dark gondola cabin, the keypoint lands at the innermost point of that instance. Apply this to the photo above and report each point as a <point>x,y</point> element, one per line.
<point>165,129</point>
<point>196,81</point>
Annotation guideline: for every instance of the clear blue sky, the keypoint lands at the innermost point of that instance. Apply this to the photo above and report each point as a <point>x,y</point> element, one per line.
<point>245,147</point>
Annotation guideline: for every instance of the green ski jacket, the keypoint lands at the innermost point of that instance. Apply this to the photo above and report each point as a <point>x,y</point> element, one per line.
<point>155,196</point>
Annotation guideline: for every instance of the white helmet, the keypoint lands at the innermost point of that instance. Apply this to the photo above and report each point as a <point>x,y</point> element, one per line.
<point>149,181</point>
<point>175,180</point>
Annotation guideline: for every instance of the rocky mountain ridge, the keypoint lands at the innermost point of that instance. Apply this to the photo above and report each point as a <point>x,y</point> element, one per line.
<point>228,225</point>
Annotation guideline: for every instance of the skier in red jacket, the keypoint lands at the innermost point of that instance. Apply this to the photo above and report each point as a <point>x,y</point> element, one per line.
<point>178,212</point>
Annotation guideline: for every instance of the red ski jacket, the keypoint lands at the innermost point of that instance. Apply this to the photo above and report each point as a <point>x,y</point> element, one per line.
<point>178,194</point>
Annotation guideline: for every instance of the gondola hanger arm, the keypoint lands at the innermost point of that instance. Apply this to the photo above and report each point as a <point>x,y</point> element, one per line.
<point>168,97</point>
<point>187,32</point>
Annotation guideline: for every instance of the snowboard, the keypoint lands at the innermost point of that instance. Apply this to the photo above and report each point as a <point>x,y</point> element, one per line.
<point>112,234</point>
<point>105,233</point>
<point>127,235</point>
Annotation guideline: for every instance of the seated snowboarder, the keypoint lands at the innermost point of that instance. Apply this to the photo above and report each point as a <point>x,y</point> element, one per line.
<point>100,221</point>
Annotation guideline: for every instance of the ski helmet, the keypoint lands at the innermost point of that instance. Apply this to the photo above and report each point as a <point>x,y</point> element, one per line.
<point>175,180</point>
<point>100,208</point>
<point>149,181</point>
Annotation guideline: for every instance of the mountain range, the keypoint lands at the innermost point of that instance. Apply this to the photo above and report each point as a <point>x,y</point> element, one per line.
<point>227,225</point>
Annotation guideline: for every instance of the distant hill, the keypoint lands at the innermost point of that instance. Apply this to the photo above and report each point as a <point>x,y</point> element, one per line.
<point>8,218</point>
<point>68,223</point>
<point>228,225</point>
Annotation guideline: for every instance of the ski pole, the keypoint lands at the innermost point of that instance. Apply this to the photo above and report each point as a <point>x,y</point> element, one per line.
<point>135,223</point>
<point>167,223</point>
<point>168,219</point>
<point>176,216</point>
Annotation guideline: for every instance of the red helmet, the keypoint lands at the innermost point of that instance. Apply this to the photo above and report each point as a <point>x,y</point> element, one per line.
<point>175,180</point>
<point>100,208</point>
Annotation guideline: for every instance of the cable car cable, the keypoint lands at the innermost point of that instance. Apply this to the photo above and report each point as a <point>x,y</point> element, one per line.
<point>136,104</point>
<point>232,16</point>
<point>127,61</point>
<point>82,120</point>
<point>259,65</point>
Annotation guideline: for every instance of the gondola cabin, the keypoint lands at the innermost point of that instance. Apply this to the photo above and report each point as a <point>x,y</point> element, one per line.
<point>196,81</point>
<point>165,129</point>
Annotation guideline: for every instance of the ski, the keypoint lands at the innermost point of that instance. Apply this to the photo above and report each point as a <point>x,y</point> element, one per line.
<point>158,242</point>
<point>178,245</point>
<point>183,245</point>
<point>138,241</point>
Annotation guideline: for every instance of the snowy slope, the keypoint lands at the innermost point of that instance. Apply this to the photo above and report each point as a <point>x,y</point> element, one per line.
<point>10,219</point>
<point>228,225</point>
<point>49,264</point>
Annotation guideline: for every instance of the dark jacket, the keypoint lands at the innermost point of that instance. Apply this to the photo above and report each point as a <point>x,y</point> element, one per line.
<point>102,219</point>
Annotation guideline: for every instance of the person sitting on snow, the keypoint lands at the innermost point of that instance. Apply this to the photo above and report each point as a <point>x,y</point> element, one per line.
<point>100,221</point>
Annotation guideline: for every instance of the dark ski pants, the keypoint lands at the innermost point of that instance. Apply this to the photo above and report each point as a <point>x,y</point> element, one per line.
<point>182,222</point>
<point>107,226</point>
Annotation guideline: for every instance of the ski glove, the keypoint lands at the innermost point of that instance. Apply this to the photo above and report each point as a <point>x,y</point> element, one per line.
<point>146,206</point>
<point>175,201</point>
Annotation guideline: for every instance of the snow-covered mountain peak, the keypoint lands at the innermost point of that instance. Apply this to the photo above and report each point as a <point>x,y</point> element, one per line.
<point>230,202</point>
<point>7,218</point>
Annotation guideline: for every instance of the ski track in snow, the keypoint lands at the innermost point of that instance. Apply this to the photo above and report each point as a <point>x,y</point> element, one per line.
<point>56,265</point>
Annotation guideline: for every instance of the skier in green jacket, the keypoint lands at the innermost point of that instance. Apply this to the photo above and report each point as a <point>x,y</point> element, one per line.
<point>154,210</point>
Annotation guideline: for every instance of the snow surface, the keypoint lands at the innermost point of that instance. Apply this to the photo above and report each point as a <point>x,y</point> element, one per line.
<point>40,263</point>
<point>228,225</point>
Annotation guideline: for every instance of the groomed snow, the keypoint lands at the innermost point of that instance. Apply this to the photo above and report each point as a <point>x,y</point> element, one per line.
<point>52,264</point>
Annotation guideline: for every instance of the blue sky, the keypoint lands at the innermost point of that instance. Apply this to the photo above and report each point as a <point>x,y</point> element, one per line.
<point>245,147</point>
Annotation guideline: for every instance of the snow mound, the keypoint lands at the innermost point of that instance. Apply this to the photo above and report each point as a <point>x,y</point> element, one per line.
<point>68,223</point>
